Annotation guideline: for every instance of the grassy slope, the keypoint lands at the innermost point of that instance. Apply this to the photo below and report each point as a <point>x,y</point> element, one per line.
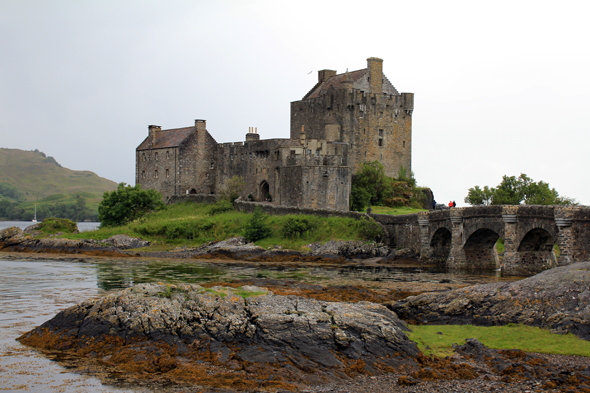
<point>40,180</point>
<point>163,227</point>
<point>37,178</point>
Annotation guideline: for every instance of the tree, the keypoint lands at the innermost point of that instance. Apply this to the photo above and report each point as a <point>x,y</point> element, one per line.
<point>233,188</point>
<point>516,190</point>
<point>256,228</point>
<point>127,203</point>
<point>477,196</point>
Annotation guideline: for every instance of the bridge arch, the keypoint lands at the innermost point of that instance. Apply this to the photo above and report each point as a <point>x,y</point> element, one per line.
<point>480,249</point>
<point>440,245</point>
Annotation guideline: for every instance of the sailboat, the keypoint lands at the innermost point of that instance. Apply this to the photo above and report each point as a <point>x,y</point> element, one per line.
<point>35,218</point>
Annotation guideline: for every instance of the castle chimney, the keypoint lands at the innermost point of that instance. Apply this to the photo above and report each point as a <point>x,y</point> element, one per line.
<point>252,134</point>
<point>375,66</point>
<point>323,75</point>
<point>152,131</point>
<point>200,125</point>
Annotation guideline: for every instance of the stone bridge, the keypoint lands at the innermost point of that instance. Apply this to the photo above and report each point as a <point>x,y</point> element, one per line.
<point>466,237</point>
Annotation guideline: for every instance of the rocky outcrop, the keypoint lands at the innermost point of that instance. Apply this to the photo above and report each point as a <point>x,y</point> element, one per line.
<point>350,249</point>
<point>14,239</point>
<point>557,299</point>
<point>179,330</point>
<point>125,242</point>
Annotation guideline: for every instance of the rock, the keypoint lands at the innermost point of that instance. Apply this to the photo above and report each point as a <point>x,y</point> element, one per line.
<point>557,299</point>
<point>232,242</point>
<point>349,249</point>
<point>9,232</point>
<point>125,242</point>
<point>293,338</point>
<point>33,228</point>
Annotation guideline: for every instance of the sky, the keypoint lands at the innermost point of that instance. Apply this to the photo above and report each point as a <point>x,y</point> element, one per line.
<point>501,88</point>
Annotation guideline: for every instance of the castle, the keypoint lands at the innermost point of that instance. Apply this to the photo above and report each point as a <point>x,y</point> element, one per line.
<point>344,120</point>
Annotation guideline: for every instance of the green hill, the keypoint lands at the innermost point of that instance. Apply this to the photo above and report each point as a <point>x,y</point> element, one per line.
<point>31,177</point>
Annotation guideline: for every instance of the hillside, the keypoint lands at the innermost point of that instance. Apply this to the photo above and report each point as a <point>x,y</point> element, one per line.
<point>31,177</point>
<point>37,176</point>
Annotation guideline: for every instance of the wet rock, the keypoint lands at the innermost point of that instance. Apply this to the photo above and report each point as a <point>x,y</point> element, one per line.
<point>557,299</point>
<point>262,332</point>
<point>125,242</point>
<point>9,232</point>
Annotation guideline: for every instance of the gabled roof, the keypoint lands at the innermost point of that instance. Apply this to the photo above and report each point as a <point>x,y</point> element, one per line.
<point>167,138</point>
<point>359,79</point>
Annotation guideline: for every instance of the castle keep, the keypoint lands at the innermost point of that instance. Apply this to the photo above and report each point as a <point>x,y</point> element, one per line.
<point>344,120</point>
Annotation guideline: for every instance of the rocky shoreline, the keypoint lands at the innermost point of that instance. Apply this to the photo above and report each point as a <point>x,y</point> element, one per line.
<point>14,239</point>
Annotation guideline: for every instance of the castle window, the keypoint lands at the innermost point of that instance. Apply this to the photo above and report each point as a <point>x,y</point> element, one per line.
<point>380,133</point>
<point>317,152</point>
<point>143,157</point>
<point>404,144</point>
<point>231,157</point>
<point>143,174</point>
<point>156,156</point>
<point>380,141</point>
<point>167,154</point>
<point>212,165</point>
<point>309,152</point>
<point>156,173</point>
<point>167,172</point>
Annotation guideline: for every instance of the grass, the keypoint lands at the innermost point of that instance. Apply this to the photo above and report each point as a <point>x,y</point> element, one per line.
<point>526,338</point>
<point>396,211</point>
<point>192,224</point>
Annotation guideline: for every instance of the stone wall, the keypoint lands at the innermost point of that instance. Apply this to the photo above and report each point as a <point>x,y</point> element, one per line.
<point>196,198</point>
<point>157,169</point>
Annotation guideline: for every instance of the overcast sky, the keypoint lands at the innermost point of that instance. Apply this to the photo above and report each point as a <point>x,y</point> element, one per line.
<point>500,87</point>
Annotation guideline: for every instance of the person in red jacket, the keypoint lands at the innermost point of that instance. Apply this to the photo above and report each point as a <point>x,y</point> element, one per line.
<point>451,204</point>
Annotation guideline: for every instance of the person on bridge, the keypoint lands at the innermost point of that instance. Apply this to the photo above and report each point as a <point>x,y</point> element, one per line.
<point>451,204</point>
<point>454,204</point>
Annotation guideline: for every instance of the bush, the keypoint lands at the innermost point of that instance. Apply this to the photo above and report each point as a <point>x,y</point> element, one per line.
<point>233,188</point>
<point>256,228</point>
<point>295,227</point>
<point>370,229</point>
<point>221,206</point>
<point>54,225</point>
<point>127,203</point>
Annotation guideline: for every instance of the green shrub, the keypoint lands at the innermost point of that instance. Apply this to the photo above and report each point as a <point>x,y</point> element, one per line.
<point>221,206</point>
<point>370,229</point>
<point>54,225</point>
<point>256,228</point>
<point>295,227</point>
<point>126,204</point>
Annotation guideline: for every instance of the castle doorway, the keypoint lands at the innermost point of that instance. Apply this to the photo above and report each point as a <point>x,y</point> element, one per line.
<point>264,192</point>
<point>193,191</point>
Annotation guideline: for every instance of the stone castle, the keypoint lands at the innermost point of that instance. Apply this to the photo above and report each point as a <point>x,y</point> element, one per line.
<point>344,120</point>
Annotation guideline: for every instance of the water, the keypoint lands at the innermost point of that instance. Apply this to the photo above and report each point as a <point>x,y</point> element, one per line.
<point>82,226</point>
<point>31,292</point>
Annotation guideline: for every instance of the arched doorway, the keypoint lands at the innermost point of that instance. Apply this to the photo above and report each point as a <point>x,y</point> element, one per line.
<point>193,191</point>
<point>265,192</point>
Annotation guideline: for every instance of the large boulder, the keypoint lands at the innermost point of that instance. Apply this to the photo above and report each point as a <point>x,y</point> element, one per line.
<point>10,232</point>
<point>125,242</point>
<point>557,299</point>
<point>180,331</point>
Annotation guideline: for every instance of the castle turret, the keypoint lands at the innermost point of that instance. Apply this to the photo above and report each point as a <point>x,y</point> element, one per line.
<point>375,66</point>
